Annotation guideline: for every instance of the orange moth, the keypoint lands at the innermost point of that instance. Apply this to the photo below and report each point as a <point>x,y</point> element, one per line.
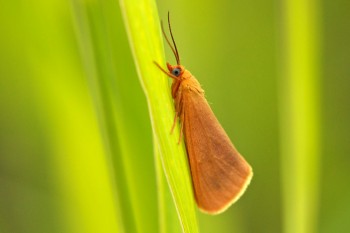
<point>220,175</point>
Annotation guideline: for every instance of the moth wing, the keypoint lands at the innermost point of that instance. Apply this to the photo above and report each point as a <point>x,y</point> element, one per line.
<point>220,174</point>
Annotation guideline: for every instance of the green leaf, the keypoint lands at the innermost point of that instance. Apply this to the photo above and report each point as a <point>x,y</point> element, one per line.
<point>143,27</point>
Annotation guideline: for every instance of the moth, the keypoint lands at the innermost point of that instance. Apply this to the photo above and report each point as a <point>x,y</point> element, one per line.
<point>220,175</point>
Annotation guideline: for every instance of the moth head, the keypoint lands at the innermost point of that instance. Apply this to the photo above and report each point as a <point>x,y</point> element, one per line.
<point>176,70</point>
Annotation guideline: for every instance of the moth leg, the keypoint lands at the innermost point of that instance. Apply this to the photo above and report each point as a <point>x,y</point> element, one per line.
<point>182,126</point>
<point>178,109</point>
<point>174,123</point>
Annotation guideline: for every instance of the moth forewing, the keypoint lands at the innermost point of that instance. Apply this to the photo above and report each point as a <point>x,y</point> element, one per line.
<point>220,174</point>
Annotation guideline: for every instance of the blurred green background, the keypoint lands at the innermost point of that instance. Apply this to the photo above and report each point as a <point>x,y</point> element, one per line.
<point>275,72</point>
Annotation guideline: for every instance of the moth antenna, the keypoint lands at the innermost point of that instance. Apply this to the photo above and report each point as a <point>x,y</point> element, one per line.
<point>168,41</point>
<point>172,37</point>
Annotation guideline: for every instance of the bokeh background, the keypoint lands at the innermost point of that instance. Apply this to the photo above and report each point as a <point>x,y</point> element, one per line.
<point>55,173</point>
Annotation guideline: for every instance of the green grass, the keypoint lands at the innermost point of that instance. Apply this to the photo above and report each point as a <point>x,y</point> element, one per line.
<point>143,28</point>
<point>98,45</point>
<point>85,143</point>
<point>94,46</point>
<point>300,117</point>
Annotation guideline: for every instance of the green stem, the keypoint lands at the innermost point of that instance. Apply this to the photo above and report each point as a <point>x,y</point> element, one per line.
<point>300,121</point>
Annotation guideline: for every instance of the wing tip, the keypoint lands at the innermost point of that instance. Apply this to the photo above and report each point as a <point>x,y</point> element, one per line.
<point>234,198</point>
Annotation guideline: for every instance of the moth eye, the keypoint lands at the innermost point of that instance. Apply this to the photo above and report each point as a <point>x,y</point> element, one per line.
<point>176,71</point>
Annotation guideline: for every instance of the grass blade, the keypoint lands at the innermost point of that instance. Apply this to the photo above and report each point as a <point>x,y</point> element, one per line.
<point>300,117</point>
<point>141,21</point>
